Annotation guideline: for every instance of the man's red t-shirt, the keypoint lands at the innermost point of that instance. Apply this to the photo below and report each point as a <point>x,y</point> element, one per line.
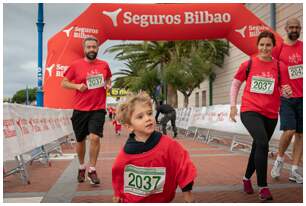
<point>152,176</point>
<point>261,93</point>
<point>94,75</point>
<point>292,56</point>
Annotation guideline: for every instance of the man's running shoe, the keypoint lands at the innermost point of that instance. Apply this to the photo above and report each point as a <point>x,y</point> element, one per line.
<point>296,177</point>
<point>81,175</point>
<point>277,168</point>
<point>93,178</point>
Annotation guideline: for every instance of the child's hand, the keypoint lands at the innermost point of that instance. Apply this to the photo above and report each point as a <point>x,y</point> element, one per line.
<point>188,197</point>
<point>116,199</point>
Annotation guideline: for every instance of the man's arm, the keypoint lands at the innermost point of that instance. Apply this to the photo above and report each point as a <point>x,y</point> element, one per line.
<point>69,85</point>
<point>108,83</point>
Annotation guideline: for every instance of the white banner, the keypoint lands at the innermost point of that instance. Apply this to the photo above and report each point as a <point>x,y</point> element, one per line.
<point>28,127</point>
<point>183,117</point>
<point>215,117</point>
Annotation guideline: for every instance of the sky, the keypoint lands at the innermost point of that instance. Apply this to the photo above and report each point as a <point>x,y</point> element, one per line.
<point>20,41</point>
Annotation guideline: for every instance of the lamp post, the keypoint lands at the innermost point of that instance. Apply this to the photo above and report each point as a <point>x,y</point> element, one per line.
<point>40,27</point>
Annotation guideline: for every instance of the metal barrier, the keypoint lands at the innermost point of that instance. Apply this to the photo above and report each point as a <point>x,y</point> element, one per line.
<point>209,135</point>
<point>41,153</point>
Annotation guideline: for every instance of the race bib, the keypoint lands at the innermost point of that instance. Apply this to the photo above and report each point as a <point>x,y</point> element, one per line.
<point>296,71</point>
<point>144,181</point>
<point>95,81</point>
<point>262,85</point>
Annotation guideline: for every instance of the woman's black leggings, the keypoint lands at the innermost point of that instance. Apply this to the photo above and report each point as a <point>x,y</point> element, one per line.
<point>261,129</point>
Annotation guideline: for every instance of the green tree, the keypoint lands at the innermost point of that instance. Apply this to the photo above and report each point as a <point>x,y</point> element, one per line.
<point>182,65</point>
<point>192,62</point>
<point>136,78</point>
<point>187,73</point>
<point>152,55</point>
<point>20,96</point>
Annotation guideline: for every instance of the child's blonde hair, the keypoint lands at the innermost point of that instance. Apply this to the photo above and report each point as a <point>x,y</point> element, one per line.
<point>125,109</point>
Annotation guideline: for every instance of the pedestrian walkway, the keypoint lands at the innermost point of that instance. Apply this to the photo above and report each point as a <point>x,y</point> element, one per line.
<point>220,173</point>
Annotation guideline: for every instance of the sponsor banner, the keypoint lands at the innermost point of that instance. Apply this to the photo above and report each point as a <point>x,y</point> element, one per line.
<point>28,127</point>
<point>215,117</point>
<point>151,22</point>
<point>117,92</point>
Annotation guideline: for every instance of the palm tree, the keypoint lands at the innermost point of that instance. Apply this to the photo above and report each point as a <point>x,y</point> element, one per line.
<point>192,62</point>
<point>151,54</point>
<point>187,73</point>
<point>129,76</point>
<point>136,78</point>
<point>182,65</point>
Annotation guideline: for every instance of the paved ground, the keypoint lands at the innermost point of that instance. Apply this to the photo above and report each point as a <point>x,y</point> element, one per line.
<point>219,176</point>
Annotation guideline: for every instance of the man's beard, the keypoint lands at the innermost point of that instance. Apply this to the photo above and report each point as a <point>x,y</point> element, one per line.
<point>293,36</point>
<point>91,55</point>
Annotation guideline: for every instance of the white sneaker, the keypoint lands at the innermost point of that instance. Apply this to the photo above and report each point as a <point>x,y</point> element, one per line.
<point>277,168</point>
<point>296,177</point>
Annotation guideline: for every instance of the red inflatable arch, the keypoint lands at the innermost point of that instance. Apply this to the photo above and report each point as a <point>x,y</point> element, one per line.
<point>145,22</point>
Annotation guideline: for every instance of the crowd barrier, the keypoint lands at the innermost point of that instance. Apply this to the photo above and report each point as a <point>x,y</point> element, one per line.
<point>214,120</point>
<point>32,130</point>
<point>28,129</point>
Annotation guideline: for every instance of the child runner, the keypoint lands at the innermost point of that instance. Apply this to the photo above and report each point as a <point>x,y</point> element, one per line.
<point>117,125</point>
<point>151,165</point>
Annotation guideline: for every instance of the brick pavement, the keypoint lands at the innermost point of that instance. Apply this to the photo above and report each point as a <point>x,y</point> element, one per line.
<point>219,176</point>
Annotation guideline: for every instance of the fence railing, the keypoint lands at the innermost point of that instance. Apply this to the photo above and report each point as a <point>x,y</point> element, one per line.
<point>209,123</point>
<point>32,130</point>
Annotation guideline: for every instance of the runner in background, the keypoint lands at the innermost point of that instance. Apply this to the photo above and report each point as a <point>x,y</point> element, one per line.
<point>169,115</point>
<point>291,111</point>
<point>117,125</point>
<point>151,165</point>
<point>259,107</point>
<point>110,112</point>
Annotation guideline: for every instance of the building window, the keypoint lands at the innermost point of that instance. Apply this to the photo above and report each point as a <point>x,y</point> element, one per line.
<point>197,99</point>
<point>204,98</point>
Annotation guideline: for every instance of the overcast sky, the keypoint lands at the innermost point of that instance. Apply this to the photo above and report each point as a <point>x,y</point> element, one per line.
<point>20,41</point>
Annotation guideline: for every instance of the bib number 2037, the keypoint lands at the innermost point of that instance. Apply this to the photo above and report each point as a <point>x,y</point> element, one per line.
<point>144,181</point>
<point>95,81</point>
<point>262,85</point>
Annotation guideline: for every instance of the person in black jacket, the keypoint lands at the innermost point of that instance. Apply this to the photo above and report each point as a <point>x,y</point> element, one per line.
<point>169,114</point>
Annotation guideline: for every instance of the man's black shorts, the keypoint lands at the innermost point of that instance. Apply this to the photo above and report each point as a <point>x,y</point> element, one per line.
<point>86,122</point>
<point>291,114</point>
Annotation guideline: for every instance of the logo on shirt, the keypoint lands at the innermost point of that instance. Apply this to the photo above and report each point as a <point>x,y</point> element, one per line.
<point>266,74</point>
<point>295,58</point>
<point>93,72</point>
